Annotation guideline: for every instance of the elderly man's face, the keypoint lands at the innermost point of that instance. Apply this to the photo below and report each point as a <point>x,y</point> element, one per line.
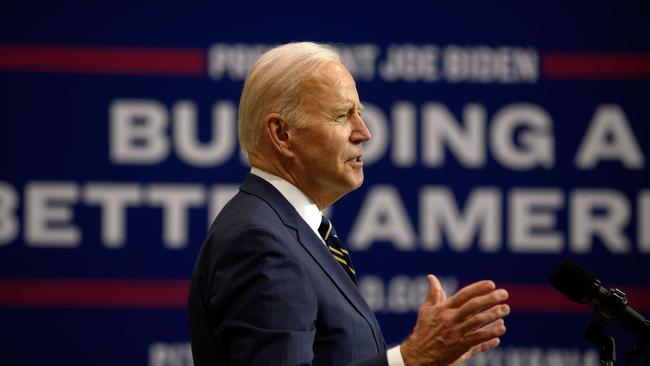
<point>329,150</point>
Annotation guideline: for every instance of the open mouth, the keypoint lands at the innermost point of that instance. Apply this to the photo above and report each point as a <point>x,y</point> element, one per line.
<point>356,159</point>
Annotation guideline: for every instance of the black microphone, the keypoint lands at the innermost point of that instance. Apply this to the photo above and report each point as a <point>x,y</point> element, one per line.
<point>582,286</point>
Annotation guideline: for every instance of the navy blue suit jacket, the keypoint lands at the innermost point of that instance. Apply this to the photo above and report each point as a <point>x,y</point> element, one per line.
<point>266,291</point>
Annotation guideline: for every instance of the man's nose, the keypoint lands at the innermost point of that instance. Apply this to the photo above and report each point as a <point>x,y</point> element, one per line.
<point>361,132</point>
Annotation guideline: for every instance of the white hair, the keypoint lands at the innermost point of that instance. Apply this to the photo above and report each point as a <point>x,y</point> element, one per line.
<point>274,84</point>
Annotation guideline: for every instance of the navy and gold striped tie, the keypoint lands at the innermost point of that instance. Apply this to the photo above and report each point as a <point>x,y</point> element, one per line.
<point>336,247</point>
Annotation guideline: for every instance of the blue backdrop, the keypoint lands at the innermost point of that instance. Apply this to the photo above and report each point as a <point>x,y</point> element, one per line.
<point>507,137</point>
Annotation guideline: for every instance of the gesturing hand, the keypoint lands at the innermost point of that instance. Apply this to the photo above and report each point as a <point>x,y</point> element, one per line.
<point>449,331</point>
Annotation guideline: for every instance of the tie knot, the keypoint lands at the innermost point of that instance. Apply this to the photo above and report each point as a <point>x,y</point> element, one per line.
<point>326,230</point>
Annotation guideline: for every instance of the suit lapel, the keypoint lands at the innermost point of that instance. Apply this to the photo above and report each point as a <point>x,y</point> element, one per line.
<point>337,274</point>
<point>316,249</point>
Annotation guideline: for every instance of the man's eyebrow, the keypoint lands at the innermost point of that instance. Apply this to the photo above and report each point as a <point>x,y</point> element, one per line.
<point>350,105</point>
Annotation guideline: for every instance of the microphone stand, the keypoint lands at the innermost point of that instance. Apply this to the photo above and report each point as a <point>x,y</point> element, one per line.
<point>605,343</point>
<point>616,299</point>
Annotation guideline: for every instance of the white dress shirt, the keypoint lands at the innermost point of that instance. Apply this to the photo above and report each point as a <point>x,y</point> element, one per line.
<point>309,212</point>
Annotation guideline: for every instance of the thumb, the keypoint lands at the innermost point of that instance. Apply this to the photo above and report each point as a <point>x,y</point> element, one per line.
<point>436,293</point>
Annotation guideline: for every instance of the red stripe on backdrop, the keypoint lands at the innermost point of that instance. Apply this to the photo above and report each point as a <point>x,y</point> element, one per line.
<point>172,294</point>
<point>596,65</point>
<point>146,61</point>
<point>94,293</point>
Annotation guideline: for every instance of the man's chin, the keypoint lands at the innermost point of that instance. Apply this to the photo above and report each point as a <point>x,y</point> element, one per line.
<point>357,181</point>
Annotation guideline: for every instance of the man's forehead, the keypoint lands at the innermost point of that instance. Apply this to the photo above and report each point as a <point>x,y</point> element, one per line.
<point>332,74</point>
<point>332,84</point>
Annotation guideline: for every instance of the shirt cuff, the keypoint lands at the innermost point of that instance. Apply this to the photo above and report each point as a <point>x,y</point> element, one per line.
<point>394,357</point>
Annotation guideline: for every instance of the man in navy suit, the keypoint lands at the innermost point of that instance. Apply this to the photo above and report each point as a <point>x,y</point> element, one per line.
<point>268,288</point>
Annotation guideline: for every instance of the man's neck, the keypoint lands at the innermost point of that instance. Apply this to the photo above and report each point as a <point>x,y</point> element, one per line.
<point>273,165</point>
<point>278,169</point>
<point>305,207</point>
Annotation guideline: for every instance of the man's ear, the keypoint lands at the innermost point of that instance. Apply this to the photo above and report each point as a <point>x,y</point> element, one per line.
<point>279,133</point>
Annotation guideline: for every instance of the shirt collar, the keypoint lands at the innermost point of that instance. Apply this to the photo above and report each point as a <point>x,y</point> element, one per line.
<point>305,207</point>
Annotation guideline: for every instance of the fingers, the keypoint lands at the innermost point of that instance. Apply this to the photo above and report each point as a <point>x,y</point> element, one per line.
<point>471,291</point>
<point>480,303</point>
<point>493,330</point>
<point>436,293</point>
<point>485,346</point>
<point>485,318</point>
